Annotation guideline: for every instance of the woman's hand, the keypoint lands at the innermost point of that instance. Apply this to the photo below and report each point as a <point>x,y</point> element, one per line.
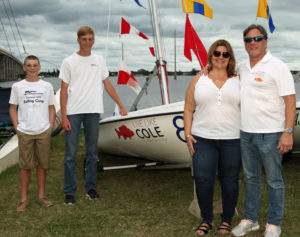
<point>190,140</point>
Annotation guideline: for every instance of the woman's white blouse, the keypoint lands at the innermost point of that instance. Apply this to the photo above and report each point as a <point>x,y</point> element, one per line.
<point>217,113</point>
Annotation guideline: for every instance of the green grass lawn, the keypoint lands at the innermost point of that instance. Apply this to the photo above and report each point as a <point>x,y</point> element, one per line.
<point>133,203</point>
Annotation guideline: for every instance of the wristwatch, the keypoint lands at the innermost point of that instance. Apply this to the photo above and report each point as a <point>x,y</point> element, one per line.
<point>289,130</point>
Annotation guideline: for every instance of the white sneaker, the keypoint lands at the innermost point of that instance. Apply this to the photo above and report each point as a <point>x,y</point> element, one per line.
<point>244,227</point>
<point>272,230</point>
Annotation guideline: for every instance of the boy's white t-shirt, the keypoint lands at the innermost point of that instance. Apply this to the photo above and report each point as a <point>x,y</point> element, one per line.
<point>84,76</point>
<point>33,100</point>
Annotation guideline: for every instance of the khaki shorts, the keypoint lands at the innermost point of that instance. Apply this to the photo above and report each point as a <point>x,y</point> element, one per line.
<point>34,149</point>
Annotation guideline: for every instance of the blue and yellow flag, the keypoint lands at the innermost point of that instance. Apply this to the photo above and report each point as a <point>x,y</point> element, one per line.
<point>197,6</point>
<point>263,11</point>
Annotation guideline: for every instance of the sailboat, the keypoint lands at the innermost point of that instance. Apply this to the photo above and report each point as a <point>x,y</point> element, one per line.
<point>156,133</point>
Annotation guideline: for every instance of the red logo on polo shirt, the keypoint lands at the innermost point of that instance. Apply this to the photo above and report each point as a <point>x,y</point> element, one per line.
<point>258,79</point>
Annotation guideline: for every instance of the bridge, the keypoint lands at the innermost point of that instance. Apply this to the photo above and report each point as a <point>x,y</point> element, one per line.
<point>10,67</point>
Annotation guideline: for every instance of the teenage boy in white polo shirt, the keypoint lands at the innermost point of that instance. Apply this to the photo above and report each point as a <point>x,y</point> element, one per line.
<point>84,76</point>
<point>268,108</point>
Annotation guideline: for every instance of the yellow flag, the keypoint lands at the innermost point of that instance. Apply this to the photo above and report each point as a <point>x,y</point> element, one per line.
<point>262,9</point>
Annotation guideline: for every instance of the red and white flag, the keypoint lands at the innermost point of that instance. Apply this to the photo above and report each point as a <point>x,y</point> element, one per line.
<point>126,28</point>
<point>125,77</point>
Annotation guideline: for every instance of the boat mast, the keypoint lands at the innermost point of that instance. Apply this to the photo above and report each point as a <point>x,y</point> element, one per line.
<point>175,61</point>
<point>122,56</point>
<point>161,63</point>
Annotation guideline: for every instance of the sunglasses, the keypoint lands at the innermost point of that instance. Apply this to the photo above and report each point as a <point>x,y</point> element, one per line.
<point>255,38</point>
<point>218,54</point>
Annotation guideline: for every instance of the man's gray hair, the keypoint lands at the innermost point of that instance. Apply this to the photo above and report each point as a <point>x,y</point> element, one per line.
<point>260,28</point>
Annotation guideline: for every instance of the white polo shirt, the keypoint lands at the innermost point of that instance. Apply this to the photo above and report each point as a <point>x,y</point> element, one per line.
<point>262,91</point>
<point>84,76</point>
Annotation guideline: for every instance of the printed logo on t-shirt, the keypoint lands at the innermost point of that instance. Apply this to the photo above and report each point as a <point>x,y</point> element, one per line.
<point>31,92</point>
<point>94,65</point>
<point>32,96</point>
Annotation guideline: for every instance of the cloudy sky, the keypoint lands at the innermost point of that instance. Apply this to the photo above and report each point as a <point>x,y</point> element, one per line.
<point>48,29</point>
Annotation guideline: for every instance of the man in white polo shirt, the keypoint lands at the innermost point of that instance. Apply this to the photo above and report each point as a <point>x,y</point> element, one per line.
<point>268,108</point>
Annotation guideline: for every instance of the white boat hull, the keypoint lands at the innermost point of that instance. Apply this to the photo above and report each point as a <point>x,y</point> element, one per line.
<point>156,134</point>
<point>9,153</point>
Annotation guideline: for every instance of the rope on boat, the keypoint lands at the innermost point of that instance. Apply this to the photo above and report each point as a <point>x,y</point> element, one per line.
<point>107,31</point>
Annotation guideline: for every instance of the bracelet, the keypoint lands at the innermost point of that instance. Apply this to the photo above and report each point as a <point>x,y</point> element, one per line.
<point>188,136</point>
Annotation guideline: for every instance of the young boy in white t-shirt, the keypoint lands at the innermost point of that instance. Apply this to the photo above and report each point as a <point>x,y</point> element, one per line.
<point>33,114</point>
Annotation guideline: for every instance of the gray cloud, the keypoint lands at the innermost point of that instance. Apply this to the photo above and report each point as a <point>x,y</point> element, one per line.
<point>48,29</point>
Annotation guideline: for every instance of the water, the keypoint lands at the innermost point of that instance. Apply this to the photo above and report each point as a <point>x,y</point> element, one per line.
<point>177,90</point>
<point>54,81</point>
<point>152,98</point>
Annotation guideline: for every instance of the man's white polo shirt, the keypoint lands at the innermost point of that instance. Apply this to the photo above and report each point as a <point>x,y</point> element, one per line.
<point>262,91</point>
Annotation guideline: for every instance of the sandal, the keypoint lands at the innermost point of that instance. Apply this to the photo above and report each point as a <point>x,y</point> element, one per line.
<point>203,229</point>
<point>21,206</point>
<point>45,202</point>
<point>224,228</point>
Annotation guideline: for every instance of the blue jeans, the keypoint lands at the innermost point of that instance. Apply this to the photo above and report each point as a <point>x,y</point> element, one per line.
<point>212,156</point>
<point>260,150</point>
<point>90,123</point>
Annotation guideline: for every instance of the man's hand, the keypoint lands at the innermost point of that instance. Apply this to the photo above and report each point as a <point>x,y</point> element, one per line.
<point>65,124</point>
<point>204,71</point>
<point>285,143</point>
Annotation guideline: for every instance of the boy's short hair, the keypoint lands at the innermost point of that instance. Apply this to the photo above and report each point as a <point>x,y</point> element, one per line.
<point>85,30</point>
<point>31,57</point>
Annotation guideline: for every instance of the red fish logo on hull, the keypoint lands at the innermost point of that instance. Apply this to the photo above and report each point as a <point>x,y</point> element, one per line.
<point>124,132</point>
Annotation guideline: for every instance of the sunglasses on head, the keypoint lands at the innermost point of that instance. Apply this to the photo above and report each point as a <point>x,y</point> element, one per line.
<point>218,54</point>
<point>255,38</point>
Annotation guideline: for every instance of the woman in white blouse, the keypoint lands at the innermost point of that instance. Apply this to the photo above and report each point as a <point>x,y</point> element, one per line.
<point>212,131</point>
